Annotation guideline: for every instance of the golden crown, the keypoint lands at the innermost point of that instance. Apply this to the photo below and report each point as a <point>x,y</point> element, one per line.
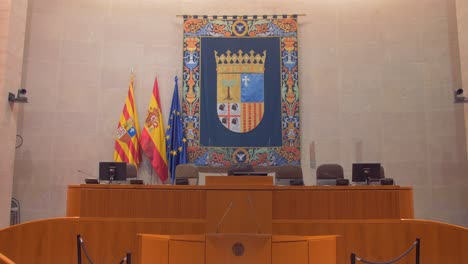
<point>240,62</point>
<point>240,58</point>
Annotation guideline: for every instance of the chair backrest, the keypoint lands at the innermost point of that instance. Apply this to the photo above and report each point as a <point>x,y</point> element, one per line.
<point>186,171</point>
<point>329,172</point>
<point>288,171</point>
<point>131,171</point>
<point>240,167</point>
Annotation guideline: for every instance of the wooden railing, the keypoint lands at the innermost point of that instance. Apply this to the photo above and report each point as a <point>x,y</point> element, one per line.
<point>5,260</point>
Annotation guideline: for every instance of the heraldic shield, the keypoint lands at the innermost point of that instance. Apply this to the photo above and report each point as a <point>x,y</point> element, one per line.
<point>240,89</point>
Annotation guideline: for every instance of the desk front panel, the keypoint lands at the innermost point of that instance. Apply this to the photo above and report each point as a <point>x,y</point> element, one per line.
<point>338,203</point>
<point>143,203</point>
<point>286,203</point>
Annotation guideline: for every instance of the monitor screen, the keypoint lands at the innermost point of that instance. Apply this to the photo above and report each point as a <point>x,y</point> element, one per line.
<point>363,171</point>
<point>112,171</point>
<point>249,173</point>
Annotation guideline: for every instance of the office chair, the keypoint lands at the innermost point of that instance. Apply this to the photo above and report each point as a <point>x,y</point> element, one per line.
<point>288,174</point>
<point>328,174</point>
<point>131,171</point>
<point>186,173</point>
<point>240,167</point>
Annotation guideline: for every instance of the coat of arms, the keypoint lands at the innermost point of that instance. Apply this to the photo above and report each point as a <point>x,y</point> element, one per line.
<point>240,89</point>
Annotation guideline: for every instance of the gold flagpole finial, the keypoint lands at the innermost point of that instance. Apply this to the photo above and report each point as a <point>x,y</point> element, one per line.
<point>132,74</point>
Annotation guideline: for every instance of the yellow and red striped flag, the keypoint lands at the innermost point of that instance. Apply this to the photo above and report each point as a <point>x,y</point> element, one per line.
<point>127,141</point>
<point>153,140</point>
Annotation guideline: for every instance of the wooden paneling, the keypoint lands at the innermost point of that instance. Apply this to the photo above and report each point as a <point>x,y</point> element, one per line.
<point>130,201</point>
<point>53,241</point>
<point>183,252</point>
<point>44,241</point>
<point>5,260</point>
<point>250,211</point>
<point>73,201</point>
<point>353,202</point>
<point>386,239</point>
<point>153,249</point>
<point>406,203</point>
<point>219,248</point>
<point>239,181</point>
<point>322,250</point>
<point>288,252</point>
<point>287,202</point>
<point>440,243</point>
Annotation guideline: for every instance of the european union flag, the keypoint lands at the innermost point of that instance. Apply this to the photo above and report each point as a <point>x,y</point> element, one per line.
<point>175,141</point>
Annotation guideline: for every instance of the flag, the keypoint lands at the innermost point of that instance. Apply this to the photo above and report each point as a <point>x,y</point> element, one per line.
<point>152,138</point>
<point>127,141</point>
<point>175,141</point>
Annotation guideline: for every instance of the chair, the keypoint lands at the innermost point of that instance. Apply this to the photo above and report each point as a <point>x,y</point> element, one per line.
<point>240,167</point>
<point>288,174</point>
<point>185,174</point>
<point>327,174</point>
<point>132,171</point>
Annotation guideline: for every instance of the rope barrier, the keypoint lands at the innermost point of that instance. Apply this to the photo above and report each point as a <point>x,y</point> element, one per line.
<point>127,259</point>
<point>415,244</point>
<point>81,245</point>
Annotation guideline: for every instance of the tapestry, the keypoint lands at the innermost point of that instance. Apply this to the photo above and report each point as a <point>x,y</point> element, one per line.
<point>240,90</point>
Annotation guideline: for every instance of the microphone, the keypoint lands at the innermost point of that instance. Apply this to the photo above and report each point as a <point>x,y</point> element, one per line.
<point>86,173</point>
<point>89,180</point>
<point>253,213</point>
<point>222,218</point>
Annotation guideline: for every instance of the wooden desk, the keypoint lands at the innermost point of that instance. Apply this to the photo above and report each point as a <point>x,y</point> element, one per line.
<point>288,203</point>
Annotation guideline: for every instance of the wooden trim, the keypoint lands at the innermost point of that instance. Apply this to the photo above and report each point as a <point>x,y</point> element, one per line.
<point>5,260</point>
<point>239,181</point>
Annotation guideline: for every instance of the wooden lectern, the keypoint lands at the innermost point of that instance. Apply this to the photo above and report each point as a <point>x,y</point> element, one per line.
<point>237,249</point>
<point>231,210</point>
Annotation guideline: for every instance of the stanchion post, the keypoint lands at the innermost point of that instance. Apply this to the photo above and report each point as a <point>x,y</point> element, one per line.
<point>353,258</point>
<point>129,258</point>
<point>418,245</point>
<point>78,247</point>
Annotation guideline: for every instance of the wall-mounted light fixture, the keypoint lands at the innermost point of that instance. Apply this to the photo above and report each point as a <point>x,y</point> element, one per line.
<point>19,97</point>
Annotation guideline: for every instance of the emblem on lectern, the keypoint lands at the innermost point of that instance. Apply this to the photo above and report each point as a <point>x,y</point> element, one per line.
<point>238,249</point>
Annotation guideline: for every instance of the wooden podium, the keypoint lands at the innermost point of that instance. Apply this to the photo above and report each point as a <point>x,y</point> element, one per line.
<point>234,210</point>
<point>237,249</point>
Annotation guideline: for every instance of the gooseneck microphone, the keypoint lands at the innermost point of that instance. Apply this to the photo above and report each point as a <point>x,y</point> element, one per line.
<point>222,218</point>
<point>93,180</point>
<point>254,215</point>
<point>86,173</point>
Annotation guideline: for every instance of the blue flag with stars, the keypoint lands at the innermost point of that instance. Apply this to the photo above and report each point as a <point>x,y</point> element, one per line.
<point>175,141</point>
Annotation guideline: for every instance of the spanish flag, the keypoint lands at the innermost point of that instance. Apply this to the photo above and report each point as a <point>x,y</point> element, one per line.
<point>127,141</point>
<point>153,139</point>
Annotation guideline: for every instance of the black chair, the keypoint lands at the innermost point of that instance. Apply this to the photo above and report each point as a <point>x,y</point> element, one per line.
<point>288,174</point>
<point>327,174</point>
<point>185,173</point>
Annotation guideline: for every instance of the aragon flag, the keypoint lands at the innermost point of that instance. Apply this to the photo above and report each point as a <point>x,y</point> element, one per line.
<point>153,138</point>
<point>127,141</point>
